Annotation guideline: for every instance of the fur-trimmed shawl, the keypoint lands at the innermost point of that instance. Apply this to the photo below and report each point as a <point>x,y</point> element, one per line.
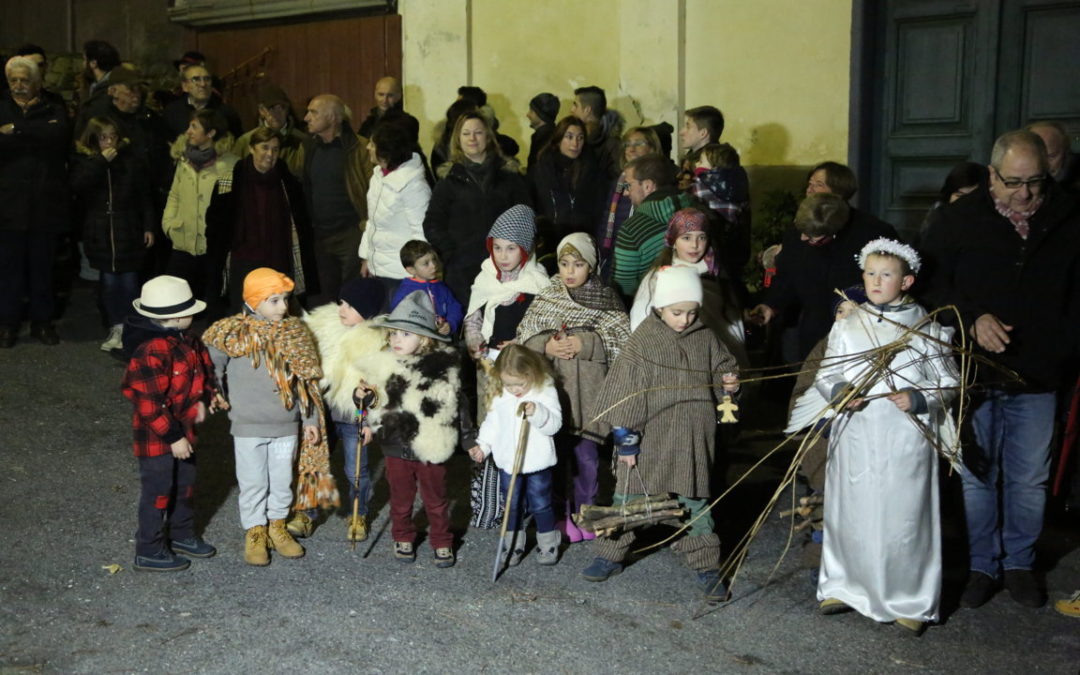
<point>418,402</point>
<point>341,348</point>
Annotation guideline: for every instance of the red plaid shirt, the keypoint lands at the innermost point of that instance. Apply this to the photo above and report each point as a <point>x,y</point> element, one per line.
<point>165,380</point>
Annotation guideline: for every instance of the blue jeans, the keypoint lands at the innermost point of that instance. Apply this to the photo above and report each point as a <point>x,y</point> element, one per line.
<point>118,290</point>
<point>536,487</point>
<point>1012,441</point>
<point>350,440</point>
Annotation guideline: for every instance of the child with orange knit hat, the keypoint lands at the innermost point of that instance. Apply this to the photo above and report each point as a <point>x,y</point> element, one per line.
<point>271,365</point>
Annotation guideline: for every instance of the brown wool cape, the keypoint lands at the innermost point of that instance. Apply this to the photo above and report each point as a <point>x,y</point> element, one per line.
<point>665,385</point>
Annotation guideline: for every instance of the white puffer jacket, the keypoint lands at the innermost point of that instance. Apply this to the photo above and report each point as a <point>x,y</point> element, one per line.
<point>499,433</point>
<point>396,204</point>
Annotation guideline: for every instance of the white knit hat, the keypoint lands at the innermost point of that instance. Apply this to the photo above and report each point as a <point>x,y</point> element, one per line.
<point>676,284</point>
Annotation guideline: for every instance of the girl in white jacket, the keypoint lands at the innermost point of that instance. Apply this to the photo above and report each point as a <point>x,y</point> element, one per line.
<point>397,200</point>
<point>526,384</point>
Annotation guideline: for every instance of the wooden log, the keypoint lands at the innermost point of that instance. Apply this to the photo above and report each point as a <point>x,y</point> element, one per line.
<point>592,512</point>
<point>609,526</point>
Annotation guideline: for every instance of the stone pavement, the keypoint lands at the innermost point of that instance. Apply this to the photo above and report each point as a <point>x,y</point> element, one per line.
<point>68,508</point>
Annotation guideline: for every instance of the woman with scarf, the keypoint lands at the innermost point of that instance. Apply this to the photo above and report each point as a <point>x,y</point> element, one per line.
<point>567,187</point>
<point>260,221</point>
<point>203,159</point>
<point>475,187</point>
<point>580,324</point>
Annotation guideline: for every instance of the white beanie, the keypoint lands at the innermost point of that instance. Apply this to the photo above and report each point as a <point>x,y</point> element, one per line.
<point>676,284</point>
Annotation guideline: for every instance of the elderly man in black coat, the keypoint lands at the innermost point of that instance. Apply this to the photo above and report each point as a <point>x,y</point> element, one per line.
<point>34,137</point>
<point>1007,256</point>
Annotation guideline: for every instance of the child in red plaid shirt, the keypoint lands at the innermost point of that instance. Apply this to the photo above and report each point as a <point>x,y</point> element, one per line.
<point>170,380</point>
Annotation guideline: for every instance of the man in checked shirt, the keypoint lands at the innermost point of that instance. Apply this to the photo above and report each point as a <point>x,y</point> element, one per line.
<point>170,380</point>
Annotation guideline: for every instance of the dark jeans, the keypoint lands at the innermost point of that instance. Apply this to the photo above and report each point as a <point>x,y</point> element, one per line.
<point>168,486</point>
<point>337,255</point>
<point>118,290</point>
<point>536,487</point>
<point>349,434</point>
<point>403,476</point>
<point>1012,444</point>
<point>26,270</point>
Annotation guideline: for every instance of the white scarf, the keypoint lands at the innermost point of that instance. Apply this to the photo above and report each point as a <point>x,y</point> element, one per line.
<point>488,292</point>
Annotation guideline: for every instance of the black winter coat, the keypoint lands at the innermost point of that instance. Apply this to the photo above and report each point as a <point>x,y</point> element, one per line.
<point>462,211</point>
<point>33,167</point>
<point>149,139</point>
<point>117,206</point>
<point>569,194</point>
<point>975,260</point>
<point>178,115</point>
<point>222,215</point>
<point>807,275</point>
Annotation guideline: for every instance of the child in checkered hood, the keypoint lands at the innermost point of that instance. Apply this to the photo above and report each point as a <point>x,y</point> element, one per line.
<point>506,285</point>
<point>170,381</point>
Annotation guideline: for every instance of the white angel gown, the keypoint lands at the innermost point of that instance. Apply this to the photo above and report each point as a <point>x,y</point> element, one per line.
<point>882,545</point>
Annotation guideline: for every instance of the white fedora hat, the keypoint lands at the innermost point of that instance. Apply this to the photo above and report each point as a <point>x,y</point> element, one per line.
<point>167,297</point>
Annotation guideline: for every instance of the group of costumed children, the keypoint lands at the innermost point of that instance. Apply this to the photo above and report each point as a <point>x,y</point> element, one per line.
<point>558,352</point>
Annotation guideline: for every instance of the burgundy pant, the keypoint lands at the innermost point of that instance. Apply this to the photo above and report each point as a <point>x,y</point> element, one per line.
<point>404,475</point>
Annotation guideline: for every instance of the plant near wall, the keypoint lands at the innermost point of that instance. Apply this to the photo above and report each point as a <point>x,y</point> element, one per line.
<point>774,214</point>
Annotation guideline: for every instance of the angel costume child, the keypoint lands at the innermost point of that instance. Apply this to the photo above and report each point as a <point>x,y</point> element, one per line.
<point>271,370</point>
<point>579,323</point>
<point>882,544</point>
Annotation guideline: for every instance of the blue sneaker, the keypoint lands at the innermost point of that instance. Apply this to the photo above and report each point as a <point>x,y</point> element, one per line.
<point>194,547</point>
<point>713,585</point>
<point>601,569</point>
<point>165,561</point>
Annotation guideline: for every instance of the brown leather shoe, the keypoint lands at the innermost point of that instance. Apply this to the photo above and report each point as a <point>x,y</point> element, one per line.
<point>45,333</point>
<point>7,337</point>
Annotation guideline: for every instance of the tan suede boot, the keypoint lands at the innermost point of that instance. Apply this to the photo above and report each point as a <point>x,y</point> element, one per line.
<point>255,547</point>
<point>283,542</point>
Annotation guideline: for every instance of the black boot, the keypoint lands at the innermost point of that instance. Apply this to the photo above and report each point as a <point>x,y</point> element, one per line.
<point>7,337</point>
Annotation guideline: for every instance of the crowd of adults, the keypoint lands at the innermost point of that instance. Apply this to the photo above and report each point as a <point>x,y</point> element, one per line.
<point>182,189</point>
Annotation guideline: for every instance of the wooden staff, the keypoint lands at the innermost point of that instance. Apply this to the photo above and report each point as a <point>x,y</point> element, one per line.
<point>519,459</point>
<point>354,524</point>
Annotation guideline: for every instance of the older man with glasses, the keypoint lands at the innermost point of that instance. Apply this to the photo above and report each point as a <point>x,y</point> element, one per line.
<point>198,86</point>
<point>1008,257</point>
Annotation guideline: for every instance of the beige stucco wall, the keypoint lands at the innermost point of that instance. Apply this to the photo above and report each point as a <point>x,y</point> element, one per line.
<point>778,69</point>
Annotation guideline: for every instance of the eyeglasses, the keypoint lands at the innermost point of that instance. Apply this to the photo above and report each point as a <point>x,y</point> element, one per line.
<point>1016,183</point>
<point>635,144</point>
<point>202,79</point>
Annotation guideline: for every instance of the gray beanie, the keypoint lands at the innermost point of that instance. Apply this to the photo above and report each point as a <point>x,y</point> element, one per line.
<point>516,224</point>
<point>546,106</point>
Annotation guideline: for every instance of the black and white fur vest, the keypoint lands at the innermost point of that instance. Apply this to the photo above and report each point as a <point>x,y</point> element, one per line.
<point>418,407</point>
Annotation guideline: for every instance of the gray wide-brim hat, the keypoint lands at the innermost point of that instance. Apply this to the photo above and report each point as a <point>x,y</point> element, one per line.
<point>414,314</point>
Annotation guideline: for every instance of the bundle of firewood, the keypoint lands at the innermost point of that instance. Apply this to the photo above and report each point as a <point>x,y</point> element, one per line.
<point>605,521</point>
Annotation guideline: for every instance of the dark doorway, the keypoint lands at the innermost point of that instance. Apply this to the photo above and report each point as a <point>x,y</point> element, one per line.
<point>934,82</point>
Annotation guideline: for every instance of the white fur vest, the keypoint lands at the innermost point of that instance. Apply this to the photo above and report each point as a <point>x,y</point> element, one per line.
<point>341,349</point>
<point>417,411</point>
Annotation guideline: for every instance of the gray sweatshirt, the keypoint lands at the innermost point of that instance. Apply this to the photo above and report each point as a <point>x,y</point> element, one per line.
<point>257,410</point>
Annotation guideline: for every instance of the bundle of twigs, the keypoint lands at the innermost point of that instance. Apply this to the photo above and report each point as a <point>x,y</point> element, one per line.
<point>811,510</point>
<point>606,520</point>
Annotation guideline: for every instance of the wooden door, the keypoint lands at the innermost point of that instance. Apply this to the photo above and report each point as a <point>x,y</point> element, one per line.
<point>343,56</point>
<point>955,75</point>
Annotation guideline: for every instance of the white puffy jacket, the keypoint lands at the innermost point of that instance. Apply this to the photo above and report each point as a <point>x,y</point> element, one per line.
<point>499,432</point>
<point>396,205</point>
